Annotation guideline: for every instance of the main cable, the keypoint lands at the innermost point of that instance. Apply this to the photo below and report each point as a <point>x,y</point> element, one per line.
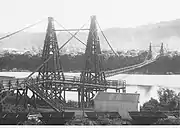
<point>1,38</point>
<point>51,56</point>
<point>106,39</point>
<point>26,79</point>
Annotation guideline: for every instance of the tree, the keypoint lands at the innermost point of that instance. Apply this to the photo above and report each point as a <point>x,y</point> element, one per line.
<point>168,101</point>
<point>151,105</point>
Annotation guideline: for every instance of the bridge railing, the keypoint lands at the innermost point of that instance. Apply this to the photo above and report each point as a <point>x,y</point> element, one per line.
<point>129,68</point>
<point>114,83</point>
<point>13,84</point>
<point>75,80</point>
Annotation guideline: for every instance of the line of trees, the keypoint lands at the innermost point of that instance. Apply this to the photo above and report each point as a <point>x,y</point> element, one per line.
<point>30,62</point>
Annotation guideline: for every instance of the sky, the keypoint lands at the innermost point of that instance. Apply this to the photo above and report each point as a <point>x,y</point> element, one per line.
<point>16,14</point>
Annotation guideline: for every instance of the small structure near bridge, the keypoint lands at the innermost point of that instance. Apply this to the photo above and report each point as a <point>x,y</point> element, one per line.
<point>116,102</point>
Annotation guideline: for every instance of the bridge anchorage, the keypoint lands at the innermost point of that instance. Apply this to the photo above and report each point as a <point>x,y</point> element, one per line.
<point>51,84</point>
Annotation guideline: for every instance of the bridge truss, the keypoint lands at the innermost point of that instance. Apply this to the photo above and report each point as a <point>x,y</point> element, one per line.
<point>51,84</point>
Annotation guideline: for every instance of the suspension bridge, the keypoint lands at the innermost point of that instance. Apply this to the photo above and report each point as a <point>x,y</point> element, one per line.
<point>51,84</point>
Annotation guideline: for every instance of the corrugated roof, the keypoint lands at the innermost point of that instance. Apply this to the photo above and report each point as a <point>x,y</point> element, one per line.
<point>107,96</point>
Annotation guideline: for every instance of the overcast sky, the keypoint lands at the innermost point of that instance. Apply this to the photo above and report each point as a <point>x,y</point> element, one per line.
<point>16,14</point>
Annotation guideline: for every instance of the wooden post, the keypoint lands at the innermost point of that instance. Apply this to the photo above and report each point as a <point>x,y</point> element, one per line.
<point>79,97</point>
<point>64,95</point>
<point>34,99</point>
<point>25,97</point>
<point>17,96</point>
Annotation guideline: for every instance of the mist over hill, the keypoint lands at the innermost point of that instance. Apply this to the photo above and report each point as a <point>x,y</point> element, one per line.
<point>120,38</point>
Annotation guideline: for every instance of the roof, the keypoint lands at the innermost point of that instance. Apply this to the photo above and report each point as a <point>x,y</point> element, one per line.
<point>109,96</point>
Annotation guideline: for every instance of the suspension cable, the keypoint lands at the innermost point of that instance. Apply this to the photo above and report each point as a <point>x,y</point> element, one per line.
<point>73,36</point>
<point>39,67</point>
<point>106,39</point>
<point>11,34</point>
<point>70,32</point>
<point>51,56</point>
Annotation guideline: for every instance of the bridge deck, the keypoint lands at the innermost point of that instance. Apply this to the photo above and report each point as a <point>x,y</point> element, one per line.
<point>70,83</point>
<point>129,68</point>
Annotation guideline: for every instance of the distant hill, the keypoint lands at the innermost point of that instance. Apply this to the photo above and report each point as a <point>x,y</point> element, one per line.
<point>139,37</point>
<point>120,38</point>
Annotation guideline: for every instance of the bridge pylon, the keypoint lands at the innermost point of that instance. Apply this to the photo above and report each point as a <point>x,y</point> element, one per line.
<point>43,86</point>
<point>52,69</point>
<point>162,50</point>
<point>93,71</point>
<point>149,56</point>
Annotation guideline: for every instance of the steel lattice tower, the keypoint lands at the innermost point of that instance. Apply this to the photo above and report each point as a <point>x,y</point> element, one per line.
<point>52,69</point>
<point>162,50</point>
<point>149,52</point>
<point>93,71</point>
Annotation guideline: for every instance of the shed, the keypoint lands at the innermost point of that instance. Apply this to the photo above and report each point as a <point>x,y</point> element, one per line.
<point>116,102</point>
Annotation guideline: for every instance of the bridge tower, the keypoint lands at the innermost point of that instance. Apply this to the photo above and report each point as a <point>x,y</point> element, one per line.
<point>162,50</point>
<point>52,69</point>
<point>149,56</point>
<point>93,71</point>
<point>43,86</point>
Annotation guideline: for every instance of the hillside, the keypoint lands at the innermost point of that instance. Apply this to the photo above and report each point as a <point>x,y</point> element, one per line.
<point>120,38</point>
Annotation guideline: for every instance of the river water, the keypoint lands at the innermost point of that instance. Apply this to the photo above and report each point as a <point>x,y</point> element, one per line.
<point>145,85</point>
